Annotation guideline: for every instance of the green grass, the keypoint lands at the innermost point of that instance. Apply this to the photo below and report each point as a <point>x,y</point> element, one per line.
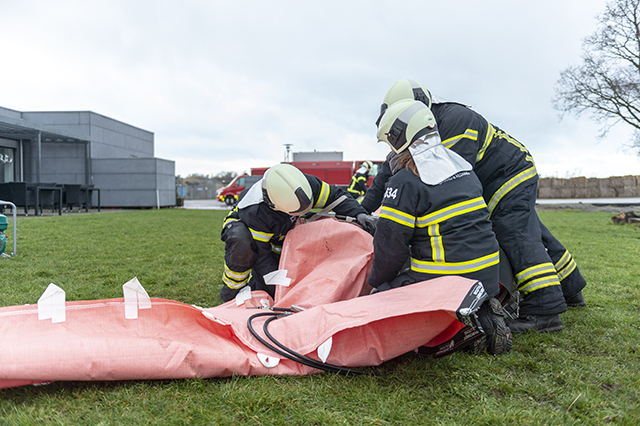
<point>589,374</point>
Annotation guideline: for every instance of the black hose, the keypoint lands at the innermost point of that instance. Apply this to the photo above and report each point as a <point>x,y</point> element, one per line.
<point>290,354</point>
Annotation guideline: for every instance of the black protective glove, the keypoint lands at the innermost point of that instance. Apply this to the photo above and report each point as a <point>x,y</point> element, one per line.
<point>227,293</point>
<point>367,222</point>
<point>382,287</point>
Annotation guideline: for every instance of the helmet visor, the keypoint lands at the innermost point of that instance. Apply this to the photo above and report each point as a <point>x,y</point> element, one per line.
<point>305,203</point>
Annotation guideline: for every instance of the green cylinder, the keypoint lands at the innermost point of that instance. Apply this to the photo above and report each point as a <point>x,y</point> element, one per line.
<point>4,223</point>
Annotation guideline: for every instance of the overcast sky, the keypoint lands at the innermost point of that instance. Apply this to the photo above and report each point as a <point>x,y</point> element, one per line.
<point>223,85</point>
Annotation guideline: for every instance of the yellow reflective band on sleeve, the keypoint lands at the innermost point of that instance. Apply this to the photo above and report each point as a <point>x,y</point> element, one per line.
<point>451,211</point>
<point>324,196</point>
<point>487,140</point>
<point>234,279</point>
<point>437,248</point>
<point>565,266</point>
<point>229,220</point>
<point>397,216</point>
<point>521,177</point>
<point>263,237</point>
<point>468,134</point>
<point>276,248</point>
<point>455,268</point>
<point>515,142</point>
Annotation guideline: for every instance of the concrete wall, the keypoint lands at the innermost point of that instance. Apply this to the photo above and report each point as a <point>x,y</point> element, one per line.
<point>132,182</point>
<point>582,187</point>
<point>109,138</point>
<point>62,163</point>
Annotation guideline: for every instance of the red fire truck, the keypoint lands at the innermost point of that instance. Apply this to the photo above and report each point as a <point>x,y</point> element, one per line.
<point>337,173</point>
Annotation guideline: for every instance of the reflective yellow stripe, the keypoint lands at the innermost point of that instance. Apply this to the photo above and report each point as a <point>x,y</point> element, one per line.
<point>437,248</point>
<point>354,181</point>
<point>276,248</point>
<point>455,268</point>
<point>515,142</point>
<point>537,277</point>
<point>538,284</point>
<point>567,271</point>
<point>228,218</point>
<point>397,216</point>
<point>487,140</point>
<point>565,266</point>
<point>468,134</point>
<point>263,237</point>
<point>234,279</point>
<point>324,196</point>
<point>534,271</point>
<point>236,275</point>
<point>521,177</point>
<point>563,261</point>
<point>453,210</point>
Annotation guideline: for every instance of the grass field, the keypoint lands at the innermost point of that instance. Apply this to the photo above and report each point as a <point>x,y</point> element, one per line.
<point>588,374</point>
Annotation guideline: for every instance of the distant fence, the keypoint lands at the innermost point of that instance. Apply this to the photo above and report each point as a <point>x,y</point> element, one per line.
<point>582,187</point>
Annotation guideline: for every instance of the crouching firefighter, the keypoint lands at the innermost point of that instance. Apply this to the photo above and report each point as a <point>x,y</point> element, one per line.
<point>433,215</point>
<point>255,229</point>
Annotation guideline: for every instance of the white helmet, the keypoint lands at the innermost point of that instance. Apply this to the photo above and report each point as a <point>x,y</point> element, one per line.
<point>404,89</point>
<point>404,122</point>
<point>367,165</point>
<point>286,189</point>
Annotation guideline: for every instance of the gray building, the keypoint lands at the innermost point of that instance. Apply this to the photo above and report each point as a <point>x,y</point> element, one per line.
<point>82,147</point>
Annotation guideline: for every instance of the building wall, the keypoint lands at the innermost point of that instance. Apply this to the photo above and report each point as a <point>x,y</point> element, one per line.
<point>109,138</point>
<point>135,182</point>
<point>10,113</point>
<point>63,163</point>
<point>121,158</point>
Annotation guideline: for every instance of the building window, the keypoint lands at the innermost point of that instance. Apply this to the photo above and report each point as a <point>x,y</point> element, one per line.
<point>6,164</point>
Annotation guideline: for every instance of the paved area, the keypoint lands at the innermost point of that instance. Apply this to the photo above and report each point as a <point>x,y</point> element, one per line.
<point>205,205</point>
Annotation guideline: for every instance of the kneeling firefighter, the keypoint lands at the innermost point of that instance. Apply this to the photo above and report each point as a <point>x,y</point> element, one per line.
<point>433,213</point>
<point>255,229</point>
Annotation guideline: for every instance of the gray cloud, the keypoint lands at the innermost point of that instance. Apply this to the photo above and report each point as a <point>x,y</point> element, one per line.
<point>223,85</point>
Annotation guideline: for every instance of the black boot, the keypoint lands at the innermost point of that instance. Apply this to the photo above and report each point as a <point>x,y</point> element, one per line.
<point>490,317</point>
<point>576,301</point>
<point>540,323</point>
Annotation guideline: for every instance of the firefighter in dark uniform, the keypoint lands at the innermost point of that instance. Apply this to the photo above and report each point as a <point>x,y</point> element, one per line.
<point>509,178</point>
<point>358,186</point>
<point>255,229</point>
<point>433,213</point>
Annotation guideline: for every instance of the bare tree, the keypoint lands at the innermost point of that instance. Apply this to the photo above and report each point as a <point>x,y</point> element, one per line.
<point>225,176</point>
<point>607,83</point>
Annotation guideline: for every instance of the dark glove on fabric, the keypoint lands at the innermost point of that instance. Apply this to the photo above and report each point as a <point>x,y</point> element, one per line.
<point>382,287</point>
<point>227,293</point>
<point>367,222</point>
